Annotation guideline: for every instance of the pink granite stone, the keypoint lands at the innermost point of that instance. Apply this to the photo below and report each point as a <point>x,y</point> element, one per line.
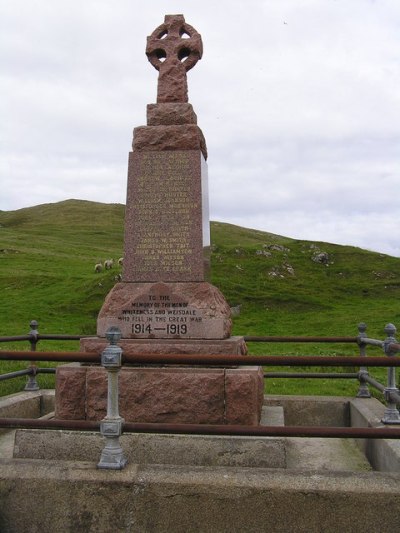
<point>244,390</point>
<point>173,396</point>
<point>174,137</point>
<point>164,304</point>
<point>166,310</point>
<point>170,114</point>
<point>163,395</point>
<point>70,401</point>
<point>167,232</point>
<point>96,393</point>
<point>229,346</point>
<point>173,48</point>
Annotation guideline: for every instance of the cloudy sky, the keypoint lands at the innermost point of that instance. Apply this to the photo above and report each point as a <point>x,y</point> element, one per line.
<point>299,101</point>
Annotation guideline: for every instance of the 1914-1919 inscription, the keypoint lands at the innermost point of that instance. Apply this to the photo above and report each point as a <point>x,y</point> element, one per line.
<point>166,311</point>
<point>160,315</point>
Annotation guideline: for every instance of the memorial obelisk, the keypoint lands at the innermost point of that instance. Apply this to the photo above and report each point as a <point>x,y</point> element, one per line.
<point>165,293</point>
<point>165,303</point>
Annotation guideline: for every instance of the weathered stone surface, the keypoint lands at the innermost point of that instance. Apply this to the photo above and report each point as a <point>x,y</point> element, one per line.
<point>154,498</point>
<point>21,405</point>
<point>229,346</point>
<point>70,392</point>
<point>159,449</point>
<point>172,83</point>
<point>96,393</point>
<point>173,48</point>
<point>169,395</point>
<point>174,137</point>
<point>244,392</point>
<point>170,114</point>
<point>164,303</point>
<point>166,310</point>
<point>173,395</point>
<point>313,410</point>
<point>167,230</point>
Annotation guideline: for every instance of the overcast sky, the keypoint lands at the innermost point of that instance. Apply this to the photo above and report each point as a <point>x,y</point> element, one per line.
<point>299,101</point>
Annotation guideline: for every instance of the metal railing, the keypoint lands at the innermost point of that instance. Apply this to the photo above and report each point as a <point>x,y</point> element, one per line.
<point>33,337</point>
<point>112,358</point>
<point>389,345</point>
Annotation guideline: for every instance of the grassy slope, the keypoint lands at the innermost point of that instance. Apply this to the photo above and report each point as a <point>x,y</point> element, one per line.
<point>48,253</point>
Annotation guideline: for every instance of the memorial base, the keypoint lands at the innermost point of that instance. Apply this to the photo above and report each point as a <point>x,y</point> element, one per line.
<point>163,395</point>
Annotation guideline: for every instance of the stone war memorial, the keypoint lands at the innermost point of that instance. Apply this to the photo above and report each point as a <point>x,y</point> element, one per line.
<point>165,303</point>
<point>196,448</point>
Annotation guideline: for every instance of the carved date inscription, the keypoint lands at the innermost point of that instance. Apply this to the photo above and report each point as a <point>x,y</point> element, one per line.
<point>159,316</point>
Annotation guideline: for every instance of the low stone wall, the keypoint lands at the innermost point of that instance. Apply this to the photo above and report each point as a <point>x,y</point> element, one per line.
<point>71,497</point>
<point>312,410</point>
<point>27,404</point>
<point>383,454</point>
<point>193,450</point>
<point>49,493</point>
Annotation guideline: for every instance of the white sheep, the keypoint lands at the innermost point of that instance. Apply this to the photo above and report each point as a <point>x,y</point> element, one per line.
<point>98,267</point>
<point>109,263</point>
<point>121,261</point>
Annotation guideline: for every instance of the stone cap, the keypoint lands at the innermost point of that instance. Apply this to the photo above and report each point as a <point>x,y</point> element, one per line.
<point>171,113</point>
<point>174,137</point>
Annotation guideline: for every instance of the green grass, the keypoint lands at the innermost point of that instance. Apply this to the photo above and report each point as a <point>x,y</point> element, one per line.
<point>47,258</point>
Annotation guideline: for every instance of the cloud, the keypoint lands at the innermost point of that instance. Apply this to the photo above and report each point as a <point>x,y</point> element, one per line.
<point>298,101</point>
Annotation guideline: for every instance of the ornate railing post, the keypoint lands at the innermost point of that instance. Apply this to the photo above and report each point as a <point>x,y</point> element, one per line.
<point>112,456</point>
<point>32,384</point>
<point>391,413</point>
<point>363,390</point>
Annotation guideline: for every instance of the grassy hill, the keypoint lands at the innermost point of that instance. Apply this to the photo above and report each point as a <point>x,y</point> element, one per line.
<point>284,286</point>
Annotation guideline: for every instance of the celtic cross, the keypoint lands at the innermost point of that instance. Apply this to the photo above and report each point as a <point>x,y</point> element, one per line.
<point>173,48</point>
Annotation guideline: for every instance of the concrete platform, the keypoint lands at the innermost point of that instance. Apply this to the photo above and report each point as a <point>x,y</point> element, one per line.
<point>68,496</point>
<point>325,485</point>
<point>190,450</point>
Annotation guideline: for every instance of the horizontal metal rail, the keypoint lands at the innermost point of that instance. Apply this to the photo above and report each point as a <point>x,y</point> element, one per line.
<point>371,342</point>
<point>209,429</point>
<point>373,382</point>
<point>394,347</point>
<point>313,375</point>
<point>206,360</point>
<point>247,338</point>
<point>27,372</point>
<point>250,338</point>
<point>66,357</point>
<point>16,374</point>
<point>45,370</point>
<point>16,338</point>
<point>61,337</point>
<point>39,336</point>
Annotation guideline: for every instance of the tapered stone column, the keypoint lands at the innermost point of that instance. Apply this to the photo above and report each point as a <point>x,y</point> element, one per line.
<point>165,291</point>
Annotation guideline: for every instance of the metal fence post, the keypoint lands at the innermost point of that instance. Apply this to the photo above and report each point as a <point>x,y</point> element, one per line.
<point>363,390</point>
<point>112,456</point>
<point>391,413</point>
<point>32,384</point>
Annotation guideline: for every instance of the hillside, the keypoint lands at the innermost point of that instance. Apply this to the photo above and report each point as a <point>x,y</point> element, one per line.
<point>284,286</point>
